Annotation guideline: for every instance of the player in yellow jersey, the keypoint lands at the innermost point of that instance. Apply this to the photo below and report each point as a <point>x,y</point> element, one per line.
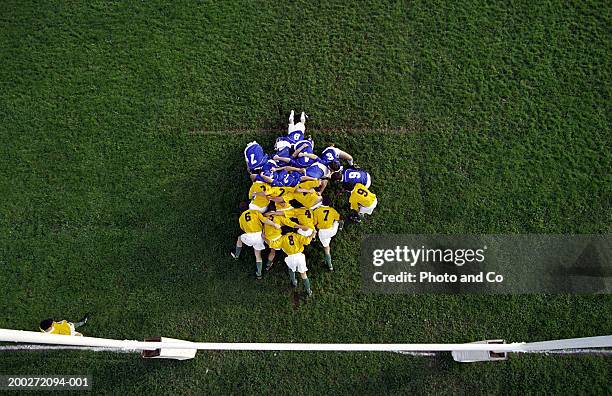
<point>306,194</point>
<point>63,327</point>
<point>304,217</point>
<point>252,222</point>
<point>257,192</point>
<point>281,196</point>
<point>362,201</point>
<point>327,221</point>
<point>293,245</point>
<point>272,235</point>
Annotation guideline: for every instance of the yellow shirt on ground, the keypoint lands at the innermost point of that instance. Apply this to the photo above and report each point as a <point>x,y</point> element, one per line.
<point>361,196</point>
<point>259,200</point>
<point>62,328</point>
<point>304,216</point>
<point>251,221</point>
<point>293,243</point>
<point>325,216</point>
<point>271,232</point>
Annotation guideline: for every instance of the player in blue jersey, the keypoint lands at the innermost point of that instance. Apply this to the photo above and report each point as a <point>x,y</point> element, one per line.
<point>351,176</point>
<point>334,154</point>
<point>304,155</point>
<point>295,132</point>
<point>254,156</point>
<point>283,149</point>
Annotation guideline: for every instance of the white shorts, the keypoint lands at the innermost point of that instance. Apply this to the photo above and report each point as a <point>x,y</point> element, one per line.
<point>368,209</point>
<point>305,233</point>
<point>252,206</point>
<point>326,234</point>
<point>254,239</point>
<point>296,127</point>
<point>369,182</point>
<point>296,262</point>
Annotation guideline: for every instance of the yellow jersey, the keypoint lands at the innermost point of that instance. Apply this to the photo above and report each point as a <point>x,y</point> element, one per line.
<point>293,243</point>
<point>304,216</point>
<point>361,196</point>
<point>307,199</point>
<point>286,193</point>
<point>251,221</point>
<point>260,200</point>
<point>271,233</point>
<point>62,328</point>
<point>324,217</point>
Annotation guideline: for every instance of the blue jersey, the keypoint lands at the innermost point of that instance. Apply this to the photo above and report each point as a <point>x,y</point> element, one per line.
<point>329,155</point>
<point>354,176</point>
<point>285,153</point>
<point>318,171</point>
<point>303,162</point>
<point>268,165</point>
<point>283,178</point>
<point>266,173</point>
<point>255,156</point>
<point>295,136</point>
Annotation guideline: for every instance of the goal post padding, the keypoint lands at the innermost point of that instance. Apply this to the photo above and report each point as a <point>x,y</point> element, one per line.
<point>20,336</point>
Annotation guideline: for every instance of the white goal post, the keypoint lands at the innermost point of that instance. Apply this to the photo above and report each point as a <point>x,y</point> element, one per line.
<point>179,349</point>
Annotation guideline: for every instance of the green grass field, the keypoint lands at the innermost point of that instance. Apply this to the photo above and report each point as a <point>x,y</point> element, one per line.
<point>121,137</point>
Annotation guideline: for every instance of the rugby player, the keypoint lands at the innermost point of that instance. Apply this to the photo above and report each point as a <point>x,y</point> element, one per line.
<point>327,220</point>
<point>272,235</point>
<point>251,222</point>
<point>293,246</point>
<point>63,327</point>
<point>362,201</point>
<point>254,156</point>
<point>351,176</point>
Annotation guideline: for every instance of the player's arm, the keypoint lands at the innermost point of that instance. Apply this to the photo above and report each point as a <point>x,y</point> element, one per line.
<point>307,178</point>
<point>267,179</point>
<point>298,150</point>
<point>279,158</point>
<point>309,155</point>
<point>345,156</point>
<point>291,223</point>
<point>267,221</point>
<point>324,183</point>
<point>291,169</point>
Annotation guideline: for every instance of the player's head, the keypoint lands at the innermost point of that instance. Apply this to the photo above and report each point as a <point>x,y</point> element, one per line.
<point>326,200</point>
<point>336,176</point>
<point>46,324</point>
<point>243,206</point>
<point>334,166</point>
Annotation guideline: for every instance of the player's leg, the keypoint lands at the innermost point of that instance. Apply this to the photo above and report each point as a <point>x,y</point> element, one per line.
<point>328,260</point>
<point>271,256</point>
<point>291,267</point>
<point>236,254</point>
<point>290,129</point>
<point>82,322</point>
<point>306,282</point>
<point>258,263</point>
<point>301,268</point>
